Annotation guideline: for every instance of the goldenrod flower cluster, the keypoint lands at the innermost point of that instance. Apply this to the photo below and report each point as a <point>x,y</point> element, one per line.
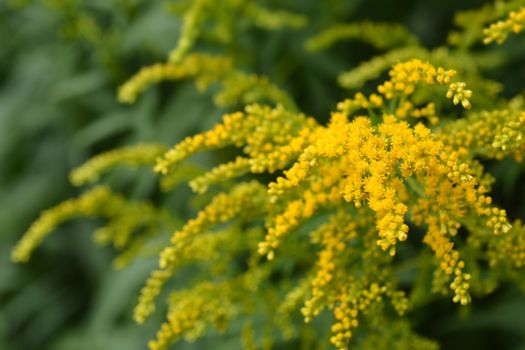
<point>500,30</point>
<point>319,221</point>
<point>86,205</point>
<point>468,64</point>
<point>224,207</point>
<point>493,134</point>
<point>404,77</point>
<point>242,88</point>
<point>372,69</point>
<point>191,311</point>
<point>236,87</point>
<point>270,137</point>
<point>123,219</point>
<point>392,168</point>
<point>385,167</point>
<point>474,23</point>
<point>510,249</point>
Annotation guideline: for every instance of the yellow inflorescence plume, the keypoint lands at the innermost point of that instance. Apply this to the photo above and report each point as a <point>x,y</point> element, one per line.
<point>206,69</point>
<point>404,77</point>
<point>376,162</point>
<point>89,204</point>
<point>500,30</point>
<point>374,170</point>
<point>124,217</point>
<point>379,35</point>
<point>248,198</point>
<point>141,154</point>
<point>273,19</point>
<point>269,137</point>
<point>492,134</point>
<point>242,88</point>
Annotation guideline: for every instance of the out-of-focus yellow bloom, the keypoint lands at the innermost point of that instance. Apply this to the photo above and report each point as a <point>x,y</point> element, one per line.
<point>89,204</point>
<point>500,30</point>
<point>379,35</point>
<point>124,217</point>
<point>492,134</point>
<point>141,154</point>
<point>206,69</point>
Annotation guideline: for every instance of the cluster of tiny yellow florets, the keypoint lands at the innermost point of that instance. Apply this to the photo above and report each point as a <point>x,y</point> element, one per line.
<point>333,237</point>
<point>322,191</point>
<point>404,77</point>
<point>500,30</point>
<point>352,301</point>
<point>358,76</point>
<point>469,66</point>
<point>245,198</point>
<point>360,101</point>
<point>270,137</point>
<point>373,169</point>
<point>493,134</point>
<point>510,249</point>
<point>370,162</point>
<point>190,312</point>
<point>377,161</point>
<point>407,109</point>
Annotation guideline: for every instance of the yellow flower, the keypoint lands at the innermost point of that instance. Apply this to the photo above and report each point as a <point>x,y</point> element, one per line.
<point>500,30</point>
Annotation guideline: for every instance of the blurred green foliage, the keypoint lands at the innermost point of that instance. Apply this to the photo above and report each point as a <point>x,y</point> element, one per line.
<point>58,107</point>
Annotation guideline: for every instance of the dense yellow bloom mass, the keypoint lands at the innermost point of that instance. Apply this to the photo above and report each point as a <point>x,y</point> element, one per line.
<point>271,137</point>
<point>404,77</point>
<point>329,207</point>
<point>373,160</point>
